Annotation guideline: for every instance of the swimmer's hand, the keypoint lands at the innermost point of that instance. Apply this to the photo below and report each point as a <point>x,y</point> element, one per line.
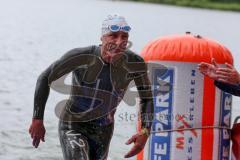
<point>37,132</point>
<point>139,140</point>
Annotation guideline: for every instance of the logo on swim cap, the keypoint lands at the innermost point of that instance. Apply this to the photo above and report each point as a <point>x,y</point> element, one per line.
<point>115,23</point>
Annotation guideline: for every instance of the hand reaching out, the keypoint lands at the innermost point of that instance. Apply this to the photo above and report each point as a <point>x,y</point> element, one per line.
<point>208,69</point>
<point>226,75</point>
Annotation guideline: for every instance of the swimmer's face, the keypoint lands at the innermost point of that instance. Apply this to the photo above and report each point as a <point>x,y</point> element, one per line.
<point>113,44</point>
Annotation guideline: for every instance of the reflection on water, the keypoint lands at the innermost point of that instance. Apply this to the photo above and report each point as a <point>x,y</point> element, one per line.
<point>34,34</point>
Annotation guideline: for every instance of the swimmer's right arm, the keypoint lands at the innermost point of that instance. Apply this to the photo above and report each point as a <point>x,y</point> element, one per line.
<point>37,129</point>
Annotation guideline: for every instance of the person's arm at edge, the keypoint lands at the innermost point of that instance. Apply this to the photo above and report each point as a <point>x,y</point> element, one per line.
<point>229,88</point>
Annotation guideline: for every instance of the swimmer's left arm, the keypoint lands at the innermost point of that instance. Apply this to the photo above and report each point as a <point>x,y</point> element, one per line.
<point>144,88</point>
<point>139,141</point>
<point>146,111</point>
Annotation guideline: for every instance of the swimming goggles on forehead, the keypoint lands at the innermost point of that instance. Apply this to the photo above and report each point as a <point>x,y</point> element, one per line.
<point>116,28</point>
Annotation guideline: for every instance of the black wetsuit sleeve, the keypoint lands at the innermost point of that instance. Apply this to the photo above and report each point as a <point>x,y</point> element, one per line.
<point>48,76</point>
<point>146,98</point>
<point>229,88</point>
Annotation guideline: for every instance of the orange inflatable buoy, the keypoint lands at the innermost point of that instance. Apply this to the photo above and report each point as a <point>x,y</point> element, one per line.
<point>191,121</point>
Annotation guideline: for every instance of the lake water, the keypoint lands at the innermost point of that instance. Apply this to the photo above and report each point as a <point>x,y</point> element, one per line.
<point>35,33</point>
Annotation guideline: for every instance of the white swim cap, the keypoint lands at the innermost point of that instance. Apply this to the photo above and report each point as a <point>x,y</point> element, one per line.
<point>115,23</point>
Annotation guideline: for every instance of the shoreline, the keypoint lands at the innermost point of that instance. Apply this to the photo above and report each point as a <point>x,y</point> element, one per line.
<point>207,4</point>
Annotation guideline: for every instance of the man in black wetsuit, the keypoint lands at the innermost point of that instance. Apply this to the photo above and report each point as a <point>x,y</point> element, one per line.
<point>228,80</point>
<point>100,77</point>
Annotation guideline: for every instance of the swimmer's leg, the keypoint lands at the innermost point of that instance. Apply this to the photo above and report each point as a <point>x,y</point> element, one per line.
<point>74,145</point>
<point>100,139</point>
